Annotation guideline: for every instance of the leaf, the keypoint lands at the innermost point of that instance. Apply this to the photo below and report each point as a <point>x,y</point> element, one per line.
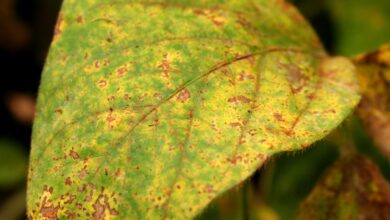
<point>353,188</point>
<point>359,25</point>
<point>374,108</point>
<point>13,163</point>
<point>150,110</point>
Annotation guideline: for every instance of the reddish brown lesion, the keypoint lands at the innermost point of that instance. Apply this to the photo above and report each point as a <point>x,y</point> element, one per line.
<point>165,65</point>
<point>79,19</point>
<point>278,116</point>
<point>74,154</point>
<point>240,99</point>
<point>184,95</point>
<point>58,28</point>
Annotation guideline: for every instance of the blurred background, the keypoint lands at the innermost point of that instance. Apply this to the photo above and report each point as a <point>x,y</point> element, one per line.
<point>346,27</point>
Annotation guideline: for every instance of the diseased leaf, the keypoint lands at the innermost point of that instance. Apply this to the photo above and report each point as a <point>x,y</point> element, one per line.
<point>353,188</point>
<point>374,108</point>
<point>149,110</point>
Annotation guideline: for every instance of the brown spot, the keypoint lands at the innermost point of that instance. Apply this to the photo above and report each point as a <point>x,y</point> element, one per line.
<point>208,189</point>
<point>71,199</point>
<point>99,210</point>
<point>79,19</point>
<point>118,172</point>
<point>106,62</point>
<point>184,95</point>
<point>49,211</point>
<point>97,64</point>
<point>121,71</point>
<point>73,154</point>
<point>157,96</point>
<point>83,172</point>
<point>199,12</point>
<point>110,118</point>
<point>58,29</point>
<point>109,40</point>
<point>102,83</point>
<point>235,159</point>
<point>245,76</point>
<point>311,96</point>
<point>111,98</point>
<point>278,116</point>
<point>235,124</point>
<point>240,98</point>
<point>165,65</point>
<point>68,181</point>
<point>59,111</point>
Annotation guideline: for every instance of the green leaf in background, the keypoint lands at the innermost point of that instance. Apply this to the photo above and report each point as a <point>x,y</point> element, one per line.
<point>289,177</point>
<point>13,163</point>
<point>353,188</point>
<point>150,110</point>
<point>360,25</point>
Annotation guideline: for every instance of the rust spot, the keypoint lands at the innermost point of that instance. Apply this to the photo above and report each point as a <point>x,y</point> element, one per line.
<point>59,111</point>
<point>68,181</point>
<point>49,211</point>
<point>245,76</point>
<point>97,64</point>
<point>234,160</point>
<point>111,98</point>
<point>240,98</point>
<point>106,62</point>
<point>57,29</point>
<point>121,71</point>
<point>70,200</point>
<point>74,154</point>
<point>199,12</point>
<point>208,189</point>
<point>79,19</point>
<point>165,65</point>
<point>235,124</point>
<point>278,116</point>
<point>118,172</point>
<point>110,118</point>
<point>184,95</point>
<point>83,172</point>
<point>311,96</point>
<point>99,210</point>
<point>102,83</point>
<point>157,96</point>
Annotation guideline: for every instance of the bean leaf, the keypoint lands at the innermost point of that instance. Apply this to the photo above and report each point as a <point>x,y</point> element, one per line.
<point>151,109</point>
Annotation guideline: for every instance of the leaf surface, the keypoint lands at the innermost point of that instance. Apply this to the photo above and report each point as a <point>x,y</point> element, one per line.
<point>149,110</point>
<point>352,188</point>
<point>374,109</point>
